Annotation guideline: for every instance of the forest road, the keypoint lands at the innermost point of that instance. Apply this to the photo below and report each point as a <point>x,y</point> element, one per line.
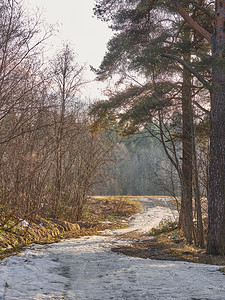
<point>86,268</point>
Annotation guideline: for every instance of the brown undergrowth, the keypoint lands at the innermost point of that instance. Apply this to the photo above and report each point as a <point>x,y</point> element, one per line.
<point>100,213</point>
<point>168,246</point>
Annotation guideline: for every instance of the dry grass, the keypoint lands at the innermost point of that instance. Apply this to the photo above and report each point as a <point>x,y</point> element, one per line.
<point>169,246</point>
<point>101,213</point>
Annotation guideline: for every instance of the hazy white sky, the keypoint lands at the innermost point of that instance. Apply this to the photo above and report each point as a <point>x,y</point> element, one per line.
<point>78,26</point>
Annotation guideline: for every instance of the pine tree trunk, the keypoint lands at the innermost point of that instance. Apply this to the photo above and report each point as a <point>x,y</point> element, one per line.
<point>199,230</point>
<point>216,186</point>
<point>186,201</point>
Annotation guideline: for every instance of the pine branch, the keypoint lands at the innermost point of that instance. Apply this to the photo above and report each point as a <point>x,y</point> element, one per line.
<point>194,25</point>
<point>189,68</point>
<point>147,11</point>
<point>204,10</point>
<point>201,107</point>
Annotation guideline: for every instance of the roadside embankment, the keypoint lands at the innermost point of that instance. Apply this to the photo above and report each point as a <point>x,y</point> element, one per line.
<point>100,213</point>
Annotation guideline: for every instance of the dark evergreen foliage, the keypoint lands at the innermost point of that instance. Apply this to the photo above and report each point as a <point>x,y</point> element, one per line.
<point>144,34</point>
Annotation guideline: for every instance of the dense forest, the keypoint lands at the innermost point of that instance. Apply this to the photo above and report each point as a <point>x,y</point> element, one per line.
<point>160,130</point>
<point>140,167</point>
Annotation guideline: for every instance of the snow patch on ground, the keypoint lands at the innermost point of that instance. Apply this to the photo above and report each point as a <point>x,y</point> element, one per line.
<point>86,268</point>
<point>29,276</point>
<point>144,222</point>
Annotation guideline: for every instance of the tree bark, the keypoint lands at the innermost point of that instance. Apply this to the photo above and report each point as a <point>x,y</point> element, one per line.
<point>216,181</point>
<point>189,20</point>
<point>186,201</point>
<point>216,184</point>
<point>199,230</point>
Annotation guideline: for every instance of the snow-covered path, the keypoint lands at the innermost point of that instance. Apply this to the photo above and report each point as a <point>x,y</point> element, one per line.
<point>85,268</point>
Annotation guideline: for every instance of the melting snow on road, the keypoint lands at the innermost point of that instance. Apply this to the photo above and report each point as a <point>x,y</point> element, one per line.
<point>86,268</point>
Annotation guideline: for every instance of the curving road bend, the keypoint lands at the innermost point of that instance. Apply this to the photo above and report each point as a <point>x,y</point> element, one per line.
<point>86,268</point>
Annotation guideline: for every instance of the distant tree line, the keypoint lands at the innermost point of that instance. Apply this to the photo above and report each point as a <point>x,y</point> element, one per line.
<point>140,167</point>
